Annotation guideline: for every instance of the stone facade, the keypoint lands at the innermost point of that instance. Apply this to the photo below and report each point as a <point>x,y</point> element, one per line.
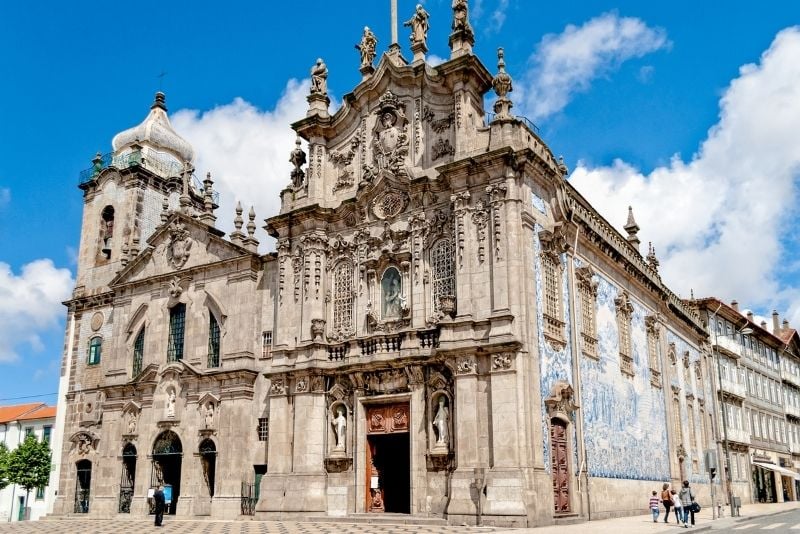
<point>447,328</point>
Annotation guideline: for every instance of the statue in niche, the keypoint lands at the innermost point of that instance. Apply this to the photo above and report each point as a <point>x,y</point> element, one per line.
<point>392,293</point>
<point>367,47</point>
<point>339,428</point>
<point>298,159</point>
<point>209,415</point>
<point>171,405</point>
<point>441,422</point>
<point>131,422</point>
<point>419,26</point>
<point>319,78</point>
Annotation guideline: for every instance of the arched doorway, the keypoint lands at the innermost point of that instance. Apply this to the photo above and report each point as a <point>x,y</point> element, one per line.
<point>559,455</point>
<point>208,461</point>
<point>83,484</point>
<point>167,454</point>
<point>127,478</point>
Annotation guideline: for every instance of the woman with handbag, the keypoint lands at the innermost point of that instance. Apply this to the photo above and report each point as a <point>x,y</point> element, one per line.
<point>666,500</point>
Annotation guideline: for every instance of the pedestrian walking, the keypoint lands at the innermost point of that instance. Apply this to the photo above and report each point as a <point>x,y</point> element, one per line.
<point>686,497</point>
<point>158,498</point>
<point>666,500</point>
<point>676,504</point>
<point>654,508</point>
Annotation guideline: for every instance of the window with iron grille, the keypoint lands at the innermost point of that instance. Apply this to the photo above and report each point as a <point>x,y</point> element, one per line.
<point>266,344</point>
<point>95,350</point>
<point>587,291</point>
<point>177,323</point>
<point>443,271</point>
<point>551,298</point>
<point>624,314</point>
<point>263,428</point>
<point>213,341</point>
<point>343,297</point>
<point>138,352</point>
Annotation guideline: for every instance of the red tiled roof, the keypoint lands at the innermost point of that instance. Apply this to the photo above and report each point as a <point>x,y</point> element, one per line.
<point>12,413</point>
<point>43,412</point>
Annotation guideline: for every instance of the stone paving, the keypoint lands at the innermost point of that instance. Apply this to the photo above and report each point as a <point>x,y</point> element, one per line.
<point>176,526</point>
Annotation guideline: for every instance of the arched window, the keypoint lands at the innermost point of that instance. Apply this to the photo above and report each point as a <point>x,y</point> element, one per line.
<point>106,230</point>
<point>83,484</point>
<point>177,323</point>
<point>208,461</point>
<point>213,341</point>
<point>138,352</point>
<point>95,350</point>
<point>127,478</point>
<point>443,271</point>
<point>343,297</point>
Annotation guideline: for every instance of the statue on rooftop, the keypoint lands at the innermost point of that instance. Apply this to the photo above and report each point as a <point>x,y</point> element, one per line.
<point>461,17</point>
<point>319,78</point>
<point>298,159</point>
<point>367,47</point>
<point>419,27</point>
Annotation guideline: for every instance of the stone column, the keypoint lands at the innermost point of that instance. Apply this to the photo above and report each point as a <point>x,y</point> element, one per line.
<point>464,497</point>
<point>305,489</point>
<point>279,452</point>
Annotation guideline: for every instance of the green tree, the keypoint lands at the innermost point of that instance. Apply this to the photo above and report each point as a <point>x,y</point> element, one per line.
<point>29,465</point>
<point>3,466</point>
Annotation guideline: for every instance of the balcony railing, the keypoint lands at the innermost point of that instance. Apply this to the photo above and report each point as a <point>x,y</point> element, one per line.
<point>789,377</point>
<point>738,435</point>
<point>792,410</point>
<point>525,120</point>
<point>732,388</point>
<point>794,448</point>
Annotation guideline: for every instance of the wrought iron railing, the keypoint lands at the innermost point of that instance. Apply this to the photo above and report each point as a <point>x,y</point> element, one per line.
<point>529,123</point>
<point>81,501</point>
<point>249,498</point>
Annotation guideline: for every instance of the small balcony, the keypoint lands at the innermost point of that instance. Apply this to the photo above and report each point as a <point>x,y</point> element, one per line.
<point>786,376</point>
<point>732,388</point>
<point>794,411</point>
<point>739,436</point>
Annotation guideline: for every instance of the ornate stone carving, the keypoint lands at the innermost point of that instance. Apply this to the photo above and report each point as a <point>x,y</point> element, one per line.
<point>497,195</point>
<point>480,218</point>
<point>698,371</point>
<point>97,321</point>
<point>84,443</point>
<point>180,244</point>
<point>387,418</point>
<point>317,330</point>
<point>175,288</point>
<point>344,159</point>
<point>502,86</point>
<point>277,386</point>
<point>460,202</point>
<point>390,381</point>
<point>442,148</point>
<point>466,365</point>
<point>389,205</point>
<point>672,354</point>
<point>502,361</point>
<point>437,125</point>
<point>389,139</point>
<point>447,305</point>
<point>561,400</point>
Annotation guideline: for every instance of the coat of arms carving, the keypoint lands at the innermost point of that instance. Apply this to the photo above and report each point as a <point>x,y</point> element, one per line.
<point>389,139</point>
<point>180,243</point>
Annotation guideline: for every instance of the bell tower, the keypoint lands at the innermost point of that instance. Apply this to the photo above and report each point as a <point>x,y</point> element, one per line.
<point>128,192</point>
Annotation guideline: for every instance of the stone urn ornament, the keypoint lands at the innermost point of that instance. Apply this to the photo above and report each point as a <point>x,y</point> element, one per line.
<point>447,305</point>
<point>317,329</point>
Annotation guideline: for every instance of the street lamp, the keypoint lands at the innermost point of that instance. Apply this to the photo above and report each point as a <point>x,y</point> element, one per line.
<point>744,331</point>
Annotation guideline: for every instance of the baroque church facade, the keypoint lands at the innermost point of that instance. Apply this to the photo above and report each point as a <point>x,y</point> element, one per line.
<point>446,329</point>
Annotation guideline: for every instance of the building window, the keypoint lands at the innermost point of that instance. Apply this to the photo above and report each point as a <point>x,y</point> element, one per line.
<point>653,349</point>
<point>677,426</point>
<point>177,322</point>
<point>46,433</point>
<point>587,292</point>
<point>263,428</point>
<point>342,299</point>
<point>442,264</point>
<point>266,344</point>
<point>138,352</point>
<point>39,494</point>
<point>551,298</point>
<point>213,341</point>
<point>624,314</point>
<point>28,431</point>
<point>95,350</point>
<point>106,231</point>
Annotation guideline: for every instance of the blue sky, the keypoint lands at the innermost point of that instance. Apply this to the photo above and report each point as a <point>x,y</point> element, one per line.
<point>649,104</point>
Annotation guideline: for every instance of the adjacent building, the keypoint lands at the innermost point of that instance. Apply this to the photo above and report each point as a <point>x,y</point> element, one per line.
<point>447,328</point>
<point>16,423</point>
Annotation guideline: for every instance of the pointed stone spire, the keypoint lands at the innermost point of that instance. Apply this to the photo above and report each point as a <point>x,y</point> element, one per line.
<point>652,260</point>
<point>502,86</point>
<point>250,241</point>
<point>208,216</point>
<point>237,236</point>
<point>632,228</point>
<point>463,38</point>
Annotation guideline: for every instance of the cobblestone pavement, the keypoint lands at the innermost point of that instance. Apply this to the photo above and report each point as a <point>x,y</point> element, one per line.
<point>176,526</point>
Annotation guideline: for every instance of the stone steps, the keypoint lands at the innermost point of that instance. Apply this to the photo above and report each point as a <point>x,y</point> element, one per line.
<point>380,519</point>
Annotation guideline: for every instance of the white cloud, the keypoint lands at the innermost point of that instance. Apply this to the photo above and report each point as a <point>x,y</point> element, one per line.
<point>247,152</point>
<point>498,17</point>
<point>30,304</point>
<point>433,60</point>
<point>718,220</point>
<point>566,63</point>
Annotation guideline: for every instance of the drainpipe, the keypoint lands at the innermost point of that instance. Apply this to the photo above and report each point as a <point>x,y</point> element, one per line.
<point>576,375</point>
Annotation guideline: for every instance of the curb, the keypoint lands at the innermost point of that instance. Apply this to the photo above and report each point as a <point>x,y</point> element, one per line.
<point>750,518</point>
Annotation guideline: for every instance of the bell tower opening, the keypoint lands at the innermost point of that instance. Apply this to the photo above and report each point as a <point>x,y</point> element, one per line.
<point>106,231</point>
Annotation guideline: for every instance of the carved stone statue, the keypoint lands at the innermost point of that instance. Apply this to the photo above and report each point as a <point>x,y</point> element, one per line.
<point>441,422</point>
<point>419,27</point>
<point>319,78</point>
<point>339,428</point>
<point>298,159</point>
<point>461,17</point>
<point>171,405</point>
<point>132,422</point>
<point>367,48</point>
<point>392,296</point>
<point>209,415</point>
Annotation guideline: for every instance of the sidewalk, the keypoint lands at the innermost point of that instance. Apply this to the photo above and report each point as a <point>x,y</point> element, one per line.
<point>644,523</point>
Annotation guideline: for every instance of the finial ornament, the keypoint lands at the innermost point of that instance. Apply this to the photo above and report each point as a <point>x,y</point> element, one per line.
<point>419,32</point>
<point>237,236</point>
<point>250,241</point>
<point>367,49</point>
<point>463,37</point>
<point>502,86</point>
<point>298,159</point>
<point>652,260</point>
<point>208,216</point>
<point>632,228</point>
